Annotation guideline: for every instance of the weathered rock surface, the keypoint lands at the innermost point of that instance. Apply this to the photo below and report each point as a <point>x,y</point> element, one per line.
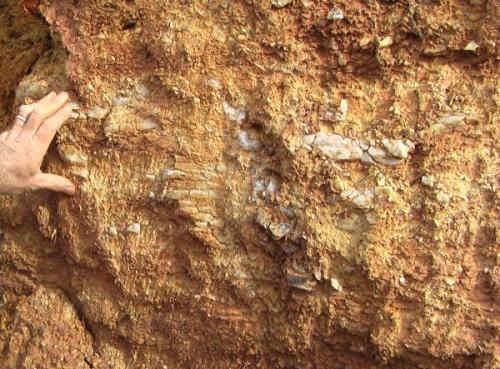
<point>262,184</point>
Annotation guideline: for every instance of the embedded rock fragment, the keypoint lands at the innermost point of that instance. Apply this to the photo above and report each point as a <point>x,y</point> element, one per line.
<point>398,148</point>
<point>300,282</point>
<point>234,114</point>
<point>248,143</point>
<point>361,199</point>
<point>335,284</point>
<point>147,124</point>
<point>471,46</point>
<point>335,14</point>
<point>443,197</point>
<point>385,42</point>
<point>143,91</point>
<point>337,147</point>
<point>72,155</point>
<point>448,122</point>
<point>123,119</point>
<point>281,3</point>
<point>428,181</point>
<point>279,230</point>
<point>341,114</point>
<point>97,112</point>
<point>134,228</point>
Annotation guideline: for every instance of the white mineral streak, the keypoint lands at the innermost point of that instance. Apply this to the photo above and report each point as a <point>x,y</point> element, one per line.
<point>270,185</point>
<point>171,173</point>
<point>451,120</point>
<point>337,147</point>
<point>234,114</point>
<point>444,122</point>
<point>148,124</point>
<point>246,142</point>
<point>398,148</point>
<point>121,101</point>
<point>340,148</point>
<point>258,185</point>
<point>380,156</point>
<point>361,199</point>
<point>341,114</point>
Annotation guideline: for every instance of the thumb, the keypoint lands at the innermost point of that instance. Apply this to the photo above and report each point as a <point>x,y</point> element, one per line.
<point>54,183</point>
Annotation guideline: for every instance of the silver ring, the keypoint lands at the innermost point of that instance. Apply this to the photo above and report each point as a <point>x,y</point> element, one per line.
<point>21,118</point>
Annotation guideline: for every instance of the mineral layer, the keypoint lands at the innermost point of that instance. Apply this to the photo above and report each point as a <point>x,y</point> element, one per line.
<point>261,184</point>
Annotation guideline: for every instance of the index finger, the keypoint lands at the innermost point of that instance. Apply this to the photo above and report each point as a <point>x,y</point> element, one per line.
<point>25,111</point>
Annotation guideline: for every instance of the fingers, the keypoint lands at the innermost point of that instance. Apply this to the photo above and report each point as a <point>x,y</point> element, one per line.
<point>44,110</point>
<point>54,183</point>
<point>25,111</point>
<point>48,129</point>
<point>17,128</point>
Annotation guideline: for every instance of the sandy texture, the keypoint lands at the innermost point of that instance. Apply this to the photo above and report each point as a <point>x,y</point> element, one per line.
<point>262,184</point>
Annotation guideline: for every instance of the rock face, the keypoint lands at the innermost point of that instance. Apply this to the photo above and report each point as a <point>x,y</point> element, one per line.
<point>233,211</point>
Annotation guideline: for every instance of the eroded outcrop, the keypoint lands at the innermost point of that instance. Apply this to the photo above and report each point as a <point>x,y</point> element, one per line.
<point>275,184</point>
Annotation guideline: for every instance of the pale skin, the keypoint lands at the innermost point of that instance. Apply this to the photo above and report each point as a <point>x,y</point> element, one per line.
<point>24,145</point>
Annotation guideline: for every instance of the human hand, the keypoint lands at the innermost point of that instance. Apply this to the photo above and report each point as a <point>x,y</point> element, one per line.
<point>24,145</point>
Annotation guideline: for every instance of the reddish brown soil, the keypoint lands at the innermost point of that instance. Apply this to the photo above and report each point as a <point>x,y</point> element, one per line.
<point>223,275</point>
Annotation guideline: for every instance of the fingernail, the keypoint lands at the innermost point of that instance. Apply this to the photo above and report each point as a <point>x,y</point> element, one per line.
<point>71,189</point>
